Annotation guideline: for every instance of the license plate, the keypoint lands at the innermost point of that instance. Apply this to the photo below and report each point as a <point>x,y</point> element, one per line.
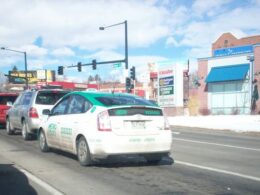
<point>138,124</point>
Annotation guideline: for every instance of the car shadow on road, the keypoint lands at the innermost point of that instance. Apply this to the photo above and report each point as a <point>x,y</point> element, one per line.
<point>13,181</point>
<point>119,160</point>
<point>130,161</point>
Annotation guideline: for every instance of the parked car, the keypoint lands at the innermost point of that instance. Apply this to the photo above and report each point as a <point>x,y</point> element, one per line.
<point>26,112</point>
<point>6,100</point>
<point>95,125</point>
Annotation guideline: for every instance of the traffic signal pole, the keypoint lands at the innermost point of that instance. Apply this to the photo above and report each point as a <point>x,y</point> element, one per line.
<point>91,64</point>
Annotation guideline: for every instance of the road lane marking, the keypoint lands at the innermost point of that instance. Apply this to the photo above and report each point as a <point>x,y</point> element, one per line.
<point>218,170</point>
<point>216,144</point>
<point>40,182</point>
<point>176,132</point>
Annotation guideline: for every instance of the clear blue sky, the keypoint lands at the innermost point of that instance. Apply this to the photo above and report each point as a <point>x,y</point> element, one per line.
<point>65,32</point>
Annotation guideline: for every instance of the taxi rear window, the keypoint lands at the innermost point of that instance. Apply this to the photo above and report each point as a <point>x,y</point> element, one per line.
<point>123,100</point>
<point>49,97</point>
<point>134,111</point>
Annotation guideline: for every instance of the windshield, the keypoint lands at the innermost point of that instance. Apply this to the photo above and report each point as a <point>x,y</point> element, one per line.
<point>123,100</point>
<point>49,97</point>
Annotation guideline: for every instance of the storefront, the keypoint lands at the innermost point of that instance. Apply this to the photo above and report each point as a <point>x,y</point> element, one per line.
<point>229,79</point>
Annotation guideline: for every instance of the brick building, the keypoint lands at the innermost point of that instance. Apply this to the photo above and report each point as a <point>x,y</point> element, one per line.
<point>230,79</point>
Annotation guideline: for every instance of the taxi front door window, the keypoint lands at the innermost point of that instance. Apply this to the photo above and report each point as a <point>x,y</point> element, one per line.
<point>61,108</point>
<point>78,105</point>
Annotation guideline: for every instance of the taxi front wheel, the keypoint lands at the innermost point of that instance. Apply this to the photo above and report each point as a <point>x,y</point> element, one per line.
<point>83,152</point>
<point>42,142</point>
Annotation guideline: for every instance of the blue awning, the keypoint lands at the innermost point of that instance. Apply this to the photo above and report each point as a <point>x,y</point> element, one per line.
<point>227,73</point>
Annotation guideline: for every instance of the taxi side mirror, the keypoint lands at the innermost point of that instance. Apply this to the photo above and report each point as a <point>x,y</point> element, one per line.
<point>46,112</point>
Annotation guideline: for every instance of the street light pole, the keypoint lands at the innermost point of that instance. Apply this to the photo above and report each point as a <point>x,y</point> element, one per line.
<point>25,67</point>
<point>251,78</point>
<point>126,46</point>
<point>25,63</point>
<point>126,40</point>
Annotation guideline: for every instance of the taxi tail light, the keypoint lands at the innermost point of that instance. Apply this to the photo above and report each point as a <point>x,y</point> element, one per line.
<point>33,113</point>
<point>166,124</point>
<point>103,121</point>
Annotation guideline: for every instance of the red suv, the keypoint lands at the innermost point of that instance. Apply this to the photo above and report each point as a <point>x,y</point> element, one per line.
<point>6,100</point>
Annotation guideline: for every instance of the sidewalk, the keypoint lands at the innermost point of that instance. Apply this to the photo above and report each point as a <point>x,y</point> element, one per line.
<point>238,123</point>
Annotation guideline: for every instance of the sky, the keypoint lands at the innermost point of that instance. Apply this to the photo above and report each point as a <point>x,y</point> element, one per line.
<point>64,32</point>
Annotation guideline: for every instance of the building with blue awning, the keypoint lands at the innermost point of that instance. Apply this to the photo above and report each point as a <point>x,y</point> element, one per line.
<point>228,79</point>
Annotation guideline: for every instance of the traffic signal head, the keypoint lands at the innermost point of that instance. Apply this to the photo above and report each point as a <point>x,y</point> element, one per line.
<point>132,73</point>
<point>79,66</point>
<point>128,84</point>
<point>94,64</point>
<point>60,70</point>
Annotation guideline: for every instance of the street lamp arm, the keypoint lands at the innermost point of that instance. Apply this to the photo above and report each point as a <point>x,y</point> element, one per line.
<point>4,48</point>
<point>104,27</point>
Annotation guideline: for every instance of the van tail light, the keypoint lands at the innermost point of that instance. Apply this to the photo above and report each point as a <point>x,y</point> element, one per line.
<point>33,113</point>
<point>166,124</point>
<point>103,121</point>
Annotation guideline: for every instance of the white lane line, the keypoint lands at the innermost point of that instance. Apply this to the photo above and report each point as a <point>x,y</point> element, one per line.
<point>176,132</point>
<point>40,182</point>
<point>216,144</point>
<point>218,170</point>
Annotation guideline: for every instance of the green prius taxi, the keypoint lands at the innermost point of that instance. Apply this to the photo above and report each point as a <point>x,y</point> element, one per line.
<point>94,125</point>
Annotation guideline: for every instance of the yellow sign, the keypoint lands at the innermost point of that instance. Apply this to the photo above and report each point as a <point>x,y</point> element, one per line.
<point>18,77</point>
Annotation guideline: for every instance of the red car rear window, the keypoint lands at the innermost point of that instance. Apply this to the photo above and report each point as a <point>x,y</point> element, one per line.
<point>5,99</point>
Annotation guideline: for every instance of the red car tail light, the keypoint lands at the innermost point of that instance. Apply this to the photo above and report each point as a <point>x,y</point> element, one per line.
<point>103,120</point>
<point>33,113</point>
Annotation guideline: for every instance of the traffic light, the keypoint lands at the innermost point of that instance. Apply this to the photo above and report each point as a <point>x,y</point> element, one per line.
<point>79,66</point>
<point>94,64</point>
<point>60,70</point>
<point>132,73</point>
<point>128,84</point>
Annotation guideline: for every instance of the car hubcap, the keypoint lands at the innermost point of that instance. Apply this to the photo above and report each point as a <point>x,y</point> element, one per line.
<point>24,130</point>
<point>7,126</point>
<point>82,151</point>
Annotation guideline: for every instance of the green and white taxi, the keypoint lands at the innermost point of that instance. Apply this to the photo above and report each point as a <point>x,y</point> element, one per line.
<point>96,125</point>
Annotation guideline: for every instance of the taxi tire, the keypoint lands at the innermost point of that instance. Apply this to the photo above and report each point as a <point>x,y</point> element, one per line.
<point>42,142</point>
<point>25,134</point>
<point>153,158</point>
<point>8,128</point>
<point>83,152</point>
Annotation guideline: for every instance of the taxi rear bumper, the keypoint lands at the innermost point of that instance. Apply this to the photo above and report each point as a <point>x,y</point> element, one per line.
<point>110,144</point>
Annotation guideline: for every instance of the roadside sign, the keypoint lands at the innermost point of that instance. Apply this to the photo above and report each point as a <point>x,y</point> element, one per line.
<point>117,65</point>
<point>166,95</point>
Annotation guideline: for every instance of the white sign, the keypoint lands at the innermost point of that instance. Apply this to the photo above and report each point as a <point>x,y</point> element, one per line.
<point>41,74</point>
<point>166,88</point>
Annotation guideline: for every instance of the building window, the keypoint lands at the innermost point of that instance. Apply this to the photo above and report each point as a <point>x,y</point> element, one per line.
<point>226,43</point>
<point>229,97</point>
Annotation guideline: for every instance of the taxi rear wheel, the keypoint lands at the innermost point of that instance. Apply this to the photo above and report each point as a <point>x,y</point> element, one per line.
<point>43,142</point>
<point>9,129</point>
<point>83,152</point>
<point>25,134</point>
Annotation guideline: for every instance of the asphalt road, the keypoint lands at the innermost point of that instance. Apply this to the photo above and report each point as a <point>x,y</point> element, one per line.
<point>203,162</point>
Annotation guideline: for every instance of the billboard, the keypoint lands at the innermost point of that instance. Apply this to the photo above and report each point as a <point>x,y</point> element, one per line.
<point>34,76</point>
